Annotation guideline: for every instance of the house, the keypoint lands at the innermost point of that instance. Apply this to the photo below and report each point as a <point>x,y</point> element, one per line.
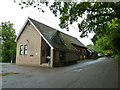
<point>39,44</point>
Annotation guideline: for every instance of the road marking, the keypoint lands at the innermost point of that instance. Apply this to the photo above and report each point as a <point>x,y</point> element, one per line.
<point>78,70</point>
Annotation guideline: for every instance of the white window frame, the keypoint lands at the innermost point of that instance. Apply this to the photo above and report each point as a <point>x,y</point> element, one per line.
<point>21,49</point>
<point>25,49</point>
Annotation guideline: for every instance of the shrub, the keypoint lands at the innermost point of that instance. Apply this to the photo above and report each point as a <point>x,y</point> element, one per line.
<point>117,58</point>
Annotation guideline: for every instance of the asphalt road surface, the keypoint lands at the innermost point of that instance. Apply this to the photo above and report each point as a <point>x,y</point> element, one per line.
<point>100,73</point>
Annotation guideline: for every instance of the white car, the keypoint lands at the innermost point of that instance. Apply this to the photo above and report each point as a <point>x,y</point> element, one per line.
<point>100,54</point>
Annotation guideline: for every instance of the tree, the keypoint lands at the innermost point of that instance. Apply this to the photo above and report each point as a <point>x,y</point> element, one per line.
<point>114,35</point>
<point>109,42</point>
<point>102,45</point>
<point>96,16</point>
<point>90,46</point>
<point>7,39</point>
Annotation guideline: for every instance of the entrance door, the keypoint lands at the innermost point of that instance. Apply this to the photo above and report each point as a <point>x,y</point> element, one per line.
<point>62,56</point>
<point>45,52</point>
<point>48,54</point>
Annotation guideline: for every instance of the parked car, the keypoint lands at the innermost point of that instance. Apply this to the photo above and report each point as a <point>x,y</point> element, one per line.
<point>100,54</point>
<point>108,55</point>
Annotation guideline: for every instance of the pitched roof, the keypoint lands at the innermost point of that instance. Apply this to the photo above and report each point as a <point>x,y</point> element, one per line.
<point>57,39</point>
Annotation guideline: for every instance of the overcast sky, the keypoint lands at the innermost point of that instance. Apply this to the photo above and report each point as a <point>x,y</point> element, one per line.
<point>13,12</point>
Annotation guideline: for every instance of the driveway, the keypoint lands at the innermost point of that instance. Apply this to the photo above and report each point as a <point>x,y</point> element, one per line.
<point>100,73</point>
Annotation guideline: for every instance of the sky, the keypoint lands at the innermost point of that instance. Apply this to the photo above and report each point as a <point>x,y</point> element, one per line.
<point>12,12</point>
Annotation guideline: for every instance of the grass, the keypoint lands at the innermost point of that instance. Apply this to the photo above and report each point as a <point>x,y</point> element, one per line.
<point>117,58</point>
<point>4,74</point>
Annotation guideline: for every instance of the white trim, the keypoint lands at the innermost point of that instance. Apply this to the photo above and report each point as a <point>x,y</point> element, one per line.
<point>40,34</point>
<point>51,55</point>
<point>36,30</point>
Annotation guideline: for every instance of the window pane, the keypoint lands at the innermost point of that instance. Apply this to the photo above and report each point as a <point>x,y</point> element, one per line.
<point>25,52</point>
<point>25,49</point>
<point>25,46</point>
<point>21,52</point>
<point>21,49</point>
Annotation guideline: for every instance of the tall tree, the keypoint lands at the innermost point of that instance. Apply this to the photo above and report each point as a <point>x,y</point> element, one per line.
<point>109,42</point>
<point>7,39</point>
<point>113,35</point>
<point>95,15</point>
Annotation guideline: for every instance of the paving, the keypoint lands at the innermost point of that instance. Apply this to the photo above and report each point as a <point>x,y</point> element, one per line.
<point>100,73</point>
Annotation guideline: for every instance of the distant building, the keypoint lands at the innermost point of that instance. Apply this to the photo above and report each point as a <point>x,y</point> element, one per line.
<point>39,44</point>
<point>90,53</point>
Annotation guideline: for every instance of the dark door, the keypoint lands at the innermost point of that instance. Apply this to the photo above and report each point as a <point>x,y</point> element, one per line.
<point>47,54</point>
<point>62,56</point>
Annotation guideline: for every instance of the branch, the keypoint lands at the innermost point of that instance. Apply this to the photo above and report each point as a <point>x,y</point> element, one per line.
<point>106,14</point>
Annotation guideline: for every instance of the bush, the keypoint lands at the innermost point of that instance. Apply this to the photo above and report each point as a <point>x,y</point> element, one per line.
<point>117,58</point>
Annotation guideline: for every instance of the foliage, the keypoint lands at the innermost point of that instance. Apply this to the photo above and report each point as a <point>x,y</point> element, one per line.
<point>90,46</point>
<point>109,42</point>
<point>102,45</point>
<point>39,4</point>
<point>7,39</point>
<point>95,15</point>
<point>117,58</point>
<point>102,18</point>
<point>114,35</point>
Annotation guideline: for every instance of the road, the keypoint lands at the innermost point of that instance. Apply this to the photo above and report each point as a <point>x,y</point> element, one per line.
<point>100,73</point>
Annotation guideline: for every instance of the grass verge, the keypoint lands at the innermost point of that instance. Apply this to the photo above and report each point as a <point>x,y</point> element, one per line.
<point>4,74</point>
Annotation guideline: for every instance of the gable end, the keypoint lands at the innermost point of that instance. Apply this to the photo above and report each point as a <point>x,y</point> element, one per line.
<point>29,21</point>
